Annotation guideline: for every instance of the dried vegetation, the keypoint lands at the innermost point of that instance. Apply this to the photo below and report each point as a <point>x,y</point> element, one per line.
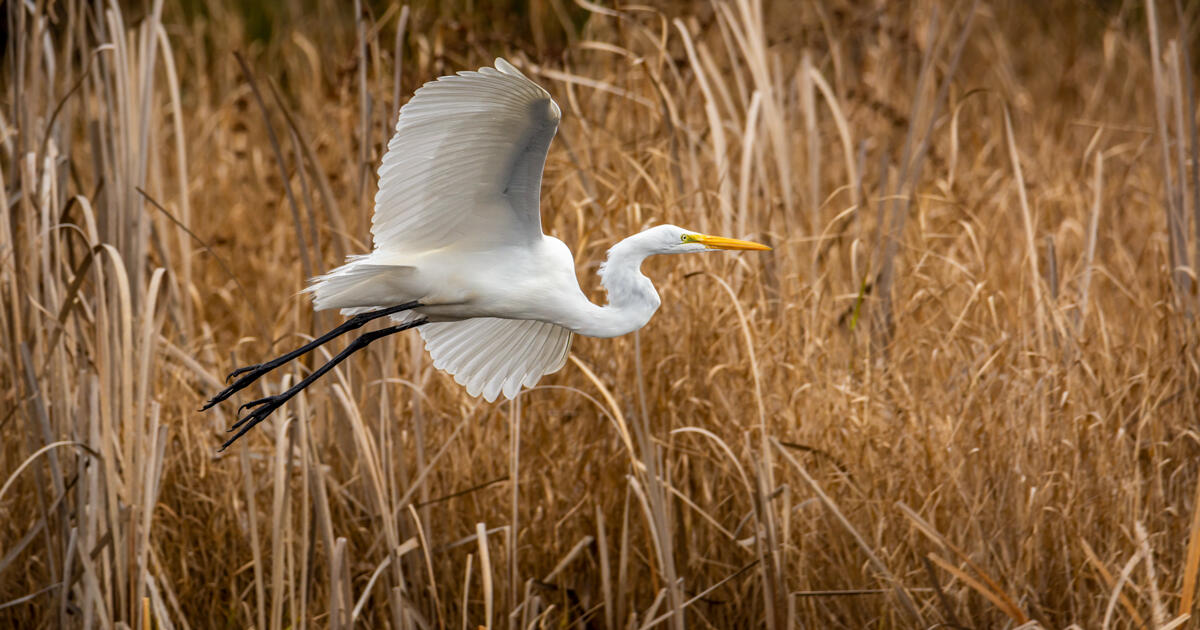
<point>962,390</point>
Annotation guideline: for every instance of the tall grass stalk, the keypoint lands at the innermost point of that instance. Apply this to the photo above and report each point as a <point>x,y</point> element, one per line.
<point>990,451</point>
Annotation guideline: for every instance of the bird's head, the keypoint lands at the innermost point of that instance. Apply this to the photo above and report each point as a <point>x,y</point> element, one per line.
<point>672,239</point>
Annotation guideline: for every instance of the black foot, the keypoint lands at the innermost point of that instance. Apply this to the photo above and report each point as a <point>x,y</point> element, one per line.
<point>263,407</point>
<point>249,368</point>
<point>252,373</point>
<point>260,410</point>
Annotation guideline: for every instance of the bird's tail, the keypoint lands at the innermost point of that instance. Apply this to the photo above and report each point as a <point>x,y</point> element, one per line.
<point>360,284</point>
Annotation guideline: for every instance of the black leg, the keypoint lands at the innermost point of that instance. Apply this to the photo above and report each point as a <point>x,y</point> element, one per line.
<point>264,407</point>
<point>254,372</point>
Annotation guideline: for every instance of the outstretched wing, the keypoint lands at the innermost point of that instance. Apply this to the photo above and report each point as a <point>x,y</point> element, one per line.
<point>489,355</point>
<point>466,162</point>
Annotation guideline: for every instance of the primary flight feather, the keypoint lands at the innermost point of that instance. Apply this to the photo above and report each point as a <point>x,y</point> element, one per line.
<point>459,251</point>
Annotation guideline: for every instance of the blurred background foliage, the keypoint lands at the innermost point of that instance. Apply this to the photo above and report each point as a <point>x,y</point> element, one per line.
<point>962,391</point>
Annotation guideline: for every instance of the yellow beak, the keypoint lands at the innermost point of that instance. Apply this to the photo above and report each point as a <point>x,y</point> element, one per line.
<point>720,242</point>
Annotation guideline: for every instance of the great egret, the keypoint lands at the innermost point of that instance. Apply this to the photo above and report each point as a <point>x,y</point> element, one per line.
<point>459,249</point>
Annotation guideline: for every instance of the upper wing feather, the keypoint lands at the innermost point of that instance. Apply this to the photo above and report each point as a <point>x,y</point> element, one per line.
<point>466,162</point>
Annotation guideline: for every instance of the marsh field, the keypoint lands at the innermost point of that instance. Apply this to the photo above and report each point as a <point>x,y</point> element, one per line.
<point>963,391</point>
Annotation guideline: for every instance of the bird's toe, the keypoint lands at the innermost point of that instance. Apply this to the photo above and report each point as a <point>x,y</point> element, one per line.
<point>257,403</point>
<point>240,371</point>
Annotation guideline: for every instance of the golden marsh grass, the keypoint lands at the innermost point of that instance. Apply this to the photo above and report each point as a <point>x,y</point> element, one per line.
<point>964,388</point>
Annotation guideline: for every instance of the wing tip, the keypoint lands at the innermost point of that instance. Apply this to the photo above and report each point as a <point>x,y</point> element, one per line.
<point>504,66</point>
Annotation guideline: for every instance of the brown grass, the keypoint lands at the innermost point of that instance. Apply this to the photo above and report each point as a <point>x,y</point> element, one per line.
<point>962,390</point>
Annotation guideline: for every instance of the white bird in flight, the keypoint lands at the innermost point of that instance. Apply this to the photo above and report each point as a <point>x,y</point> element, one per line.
<point>460,254</point>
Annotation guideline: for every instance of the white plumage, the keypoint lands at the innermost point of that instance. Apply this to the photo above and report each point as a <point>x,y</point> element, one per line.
<point>464,167</point>
<point>466,162</point>
<point>457,227</point>
<point>490,356</point>
<point>460,254</point>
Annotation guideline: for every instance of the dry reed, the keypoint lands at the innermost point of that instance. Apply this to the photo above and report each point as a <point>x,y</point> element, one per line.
<point>905,415</point>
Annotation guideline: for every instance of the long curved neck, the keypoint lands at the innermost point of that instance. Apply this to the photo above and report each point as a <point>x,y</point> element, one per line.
<point>632,299</point>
